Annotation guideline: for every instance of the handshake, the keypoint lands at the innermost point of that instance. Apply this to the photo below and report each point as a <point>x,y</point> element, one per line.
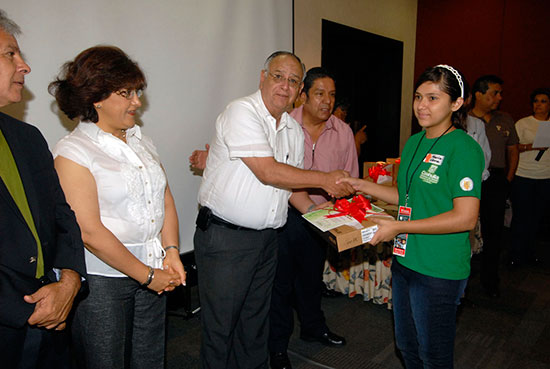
<point>337,183</point>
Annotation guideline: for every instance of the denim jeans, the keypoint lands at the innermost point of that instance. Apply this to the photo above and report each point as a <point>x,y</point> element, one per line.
<point>119,325</point>
<point>424,310</point>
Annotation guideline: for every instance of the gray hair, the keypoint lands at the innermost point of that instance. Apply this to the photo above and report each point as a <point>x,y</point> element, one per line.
<point>281,53</point>
<point>7,25</point>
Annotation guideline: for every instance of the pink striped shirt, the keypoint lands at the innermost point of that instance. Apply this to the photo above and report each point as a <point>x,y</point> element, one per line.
<point>334,149</point>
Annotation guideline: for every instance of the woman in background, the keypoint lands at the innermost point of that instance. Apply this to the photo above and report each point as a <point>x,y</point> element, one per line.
<point>114,182</point>
<point>438,190</point>
<point>531,185</point>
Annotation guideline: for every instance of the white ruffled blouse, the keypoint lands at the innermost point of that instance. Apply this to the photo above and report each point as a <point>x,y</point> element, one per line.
<point>130,185</point>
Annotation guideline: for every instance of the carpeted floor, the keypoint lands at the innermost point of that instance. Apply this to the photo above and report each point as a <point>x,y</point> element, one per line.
<point>512,331</point>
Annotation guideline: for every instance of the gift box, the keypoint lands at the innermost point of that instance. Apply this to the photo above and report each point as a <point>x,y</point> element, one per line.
<point>382,172</point>
<point>395,163</point>
<point>346,226</point>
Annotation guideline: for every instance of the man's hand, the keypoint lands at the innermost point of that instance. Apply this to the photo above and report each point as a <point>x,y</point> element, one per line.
<point>361,136</point>
<point>54,301</point>
<point>198,158</point>
<point>337,190</point>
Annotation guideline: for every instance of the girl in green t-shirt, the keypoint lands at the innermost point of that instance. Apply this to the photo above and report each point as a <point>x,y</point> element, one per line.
<point>438,190</point>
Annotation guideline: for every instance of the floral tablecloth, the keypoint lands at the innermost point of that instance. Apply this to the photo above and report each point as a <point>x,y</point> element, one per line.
<point>364,270</point>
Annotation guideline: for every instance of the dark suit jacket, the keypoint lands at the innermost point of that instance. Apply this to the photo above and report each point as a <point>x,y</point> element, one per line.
<point>55,222</point>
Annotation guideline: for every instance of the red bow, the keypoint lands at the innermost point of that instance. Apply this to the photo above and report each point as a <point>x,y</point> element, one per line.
<point>378,170</point>
<point>357,208</point>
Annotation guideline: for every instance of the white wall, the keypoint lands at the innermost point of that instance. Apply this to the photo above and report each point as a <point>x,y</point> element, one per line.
<point>395,19</point>
<point>198,55</point>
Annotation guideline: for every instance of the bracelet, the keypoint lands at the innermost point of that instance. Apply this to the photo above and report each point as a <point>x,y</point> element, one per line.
<point>311,207</point>
<point>150,277</point>
<point>171,247</point>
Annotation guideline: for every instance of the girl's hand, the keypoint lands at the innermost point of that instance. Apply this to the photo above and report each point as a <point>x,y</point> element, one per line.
<point>387,229</point>
<point>356,183</point>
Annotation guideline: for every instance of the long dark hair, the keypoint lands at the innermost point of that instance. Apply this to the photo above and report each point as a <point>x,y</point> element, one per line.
<point>448,83</point>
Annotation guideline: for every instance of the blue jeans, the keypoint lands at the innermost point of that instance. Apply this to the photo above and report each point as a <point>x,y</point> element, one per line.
<point>424,310</point>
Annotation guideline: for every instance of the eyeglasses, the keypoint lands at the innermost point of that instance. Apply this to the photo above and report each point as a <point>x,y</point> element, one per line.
<point>129,94</point>
<point>279,78</point>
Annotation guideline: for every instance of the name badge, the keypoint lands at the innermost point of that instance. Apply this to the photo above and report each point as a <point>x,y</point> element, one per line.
<point>400,241</point>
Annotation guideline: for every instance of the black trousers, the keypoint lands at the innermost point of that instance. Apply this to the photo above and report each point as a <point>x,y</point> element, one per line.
<point>493,201</point>
<point>297,283</point>
<point>235,274</point>
<point>530,202</point>
<point>30,347</point>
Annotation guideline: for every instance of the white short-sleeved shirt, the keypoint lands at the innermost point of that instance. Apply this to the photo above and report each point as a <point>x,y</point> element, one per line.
<point>130,187</point>
<point>229,188</point>
<point>476,129</point>
<point>528,167</point>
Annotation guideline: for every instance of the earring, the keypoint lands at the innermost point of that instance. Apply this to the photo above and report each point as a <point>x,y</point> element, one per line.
<point>98,106</point>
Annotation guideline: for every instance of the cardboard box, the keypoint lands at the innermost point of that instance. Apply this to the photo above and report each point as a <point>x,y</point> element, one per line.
<point>388,208</point>
<point>346,237</point>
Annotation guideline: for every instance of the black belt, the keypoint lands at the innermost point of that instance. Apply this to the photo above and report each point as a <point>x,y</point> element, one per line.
<point>219,221</point>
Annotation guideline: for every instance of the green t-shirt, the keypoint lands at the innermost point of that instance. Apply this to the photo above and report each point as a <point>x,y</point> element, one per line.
<point>452,168</point>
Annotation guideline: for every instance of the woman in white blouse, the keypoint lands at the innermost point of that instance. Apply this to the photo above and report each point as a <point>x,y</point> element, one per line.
<point>113,180</point>
<point>531,185</point>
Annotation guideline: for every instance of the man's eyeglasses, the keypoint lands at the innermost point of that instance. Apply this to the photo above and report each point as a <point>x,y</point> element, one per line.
<point>129,94</point>
<point>279,78</point>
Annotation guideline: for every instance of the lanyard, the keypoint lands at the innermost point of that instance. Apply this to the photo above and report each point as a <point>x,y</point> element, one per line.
<point>408,180</point>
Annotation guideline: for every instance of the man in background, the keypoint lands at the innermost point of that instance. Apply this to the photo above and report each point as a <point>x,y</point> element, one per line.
<point>503,141</point>
<point>38,232</point>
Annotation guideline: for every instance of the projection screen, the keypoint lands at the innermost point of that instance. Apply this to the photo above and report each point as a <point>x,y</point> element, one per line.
<point>198,55</point>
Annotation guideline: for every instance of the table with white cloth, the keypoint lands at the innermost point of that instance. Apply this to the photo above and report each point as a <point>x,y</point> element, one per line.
<point>363,270</point>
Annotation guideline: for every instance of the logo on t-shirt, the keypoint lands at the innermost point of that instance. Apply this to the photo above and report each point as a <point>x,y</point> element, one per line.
<point>434,159</point>
<point>467,184</point>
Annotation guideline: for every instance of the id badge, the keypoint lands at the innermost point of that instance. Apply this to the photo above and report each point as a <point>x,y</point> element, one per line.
<point>400,241</point>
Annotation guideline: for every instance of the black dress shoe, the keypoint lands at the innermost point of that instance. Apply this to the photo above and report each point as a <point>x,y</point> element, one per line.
<point>328,339</point>
<point>279,360</point>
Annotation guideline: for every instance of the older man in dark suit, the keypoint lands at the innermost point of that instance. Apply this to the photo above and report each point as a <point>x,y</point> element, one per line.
<point>41,253</point>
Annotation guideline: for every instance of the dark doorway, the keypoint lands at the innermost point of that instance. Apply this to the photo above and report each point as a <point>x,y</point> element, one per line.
<point>368,71</point>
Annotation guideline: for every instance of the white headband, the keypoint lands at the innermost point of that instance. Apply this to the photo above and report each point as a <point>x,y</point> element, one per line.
<point>456,74</point>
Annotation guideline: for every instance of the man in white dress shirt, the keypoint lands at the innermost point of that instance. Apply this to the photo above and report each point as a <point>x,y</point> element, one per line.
<point>253,164</point>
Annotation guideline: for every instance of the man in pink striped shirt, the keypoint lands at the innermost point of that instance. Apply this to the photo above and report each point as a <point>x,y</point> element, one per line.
<point>329,145</point>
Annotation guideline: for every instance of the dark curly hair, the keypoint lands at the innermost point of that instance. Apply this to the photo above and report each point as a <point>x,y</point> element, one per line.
<point>91,77</point>
<point>539,91</point>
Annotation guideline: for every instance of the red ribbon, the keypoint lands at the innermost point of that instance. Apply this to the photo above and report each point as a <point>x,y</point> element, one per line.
<point>357,208</point>
<point>378,170</point>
